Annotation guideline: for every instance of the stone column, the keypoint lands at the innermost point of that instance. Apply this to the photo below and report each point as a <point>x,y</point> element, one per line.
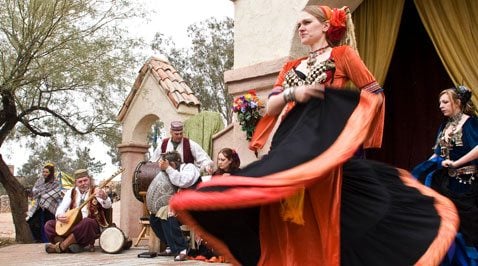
<point>131,208</point>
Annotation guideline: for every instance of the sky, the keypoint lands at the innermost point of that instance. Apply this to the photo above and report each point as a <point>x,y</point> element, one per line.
<point>170,17</point>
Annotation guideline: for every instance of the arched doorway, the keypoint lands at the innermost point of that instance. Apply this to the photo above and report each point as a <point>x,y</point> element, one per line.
<point>158,94</point>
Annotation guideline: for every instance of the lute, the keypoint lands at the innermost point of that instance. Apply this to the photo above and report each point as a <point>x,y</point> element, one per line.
<point>74,215</point>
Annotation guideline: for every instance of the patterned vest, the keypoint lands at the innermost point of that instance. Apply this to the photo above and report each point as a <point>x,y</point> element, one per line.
<point>95,210</point>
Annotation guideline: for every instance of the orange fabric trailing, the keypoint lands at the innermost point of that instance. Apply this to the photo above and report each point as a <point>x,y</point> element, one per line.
<point>292,208</point>
<point>448,226</point>
<point>262,132</point>
<point>322,177</point>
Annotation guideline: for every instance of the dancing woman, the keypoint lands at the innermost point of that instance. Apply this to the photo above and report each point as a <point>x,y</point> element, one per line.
<point>309,201</point>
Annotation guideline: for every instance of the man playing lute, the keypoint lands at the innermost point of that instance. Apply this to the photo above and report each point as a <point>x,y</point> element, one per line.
<point>85,229</point>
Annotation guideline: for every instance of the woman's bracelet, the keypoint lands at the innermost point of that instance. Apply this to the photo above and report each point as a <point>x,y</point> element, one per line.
<point>289,94</point>
<point>285,94</point>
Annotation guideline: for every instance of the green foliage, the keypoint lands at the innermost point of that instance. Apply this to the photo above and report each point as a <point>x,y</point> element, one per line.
<point>85,161</point>
<point>61,156</point>
<point>203,65</point>
<point>65,66</point>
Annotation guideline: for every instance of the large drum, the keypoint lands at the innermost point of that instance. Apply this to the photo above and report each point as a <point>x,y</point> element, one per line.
<point>112,240</point>
<point>143,175</point>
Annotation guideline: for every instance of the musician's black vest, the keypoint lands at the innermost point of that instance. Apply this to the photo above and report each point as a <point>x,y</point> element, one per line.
<point>187,154</point>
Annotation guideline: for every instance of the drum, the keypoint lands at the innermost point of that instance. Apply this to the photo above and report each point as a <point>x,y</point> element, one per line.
<point>143,175</point>
<point>112,240</point>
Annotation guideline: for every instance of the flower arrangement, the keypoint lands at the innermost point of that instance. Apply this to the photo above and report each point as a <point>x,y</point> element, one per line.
<point>248,108</point>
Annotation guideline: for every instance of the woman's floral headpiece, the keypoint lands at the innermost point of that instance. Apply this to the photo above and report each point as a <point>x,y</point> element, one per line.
<point>463,93</point>
<point>337,18</point>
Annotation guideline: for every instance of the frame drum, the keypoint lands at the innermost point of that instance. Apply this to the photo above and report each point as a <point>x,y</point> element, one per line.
<point>143,175</point>
<point>112,240</point>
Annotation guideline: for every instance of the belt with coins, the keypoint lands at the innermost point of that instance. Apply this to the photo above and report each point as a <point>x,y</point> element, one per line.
<point>465,175</point>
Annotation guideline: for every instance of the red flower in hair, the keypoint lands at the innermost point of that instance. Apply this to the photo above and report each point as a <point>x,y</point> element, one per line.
<point>337,25</point>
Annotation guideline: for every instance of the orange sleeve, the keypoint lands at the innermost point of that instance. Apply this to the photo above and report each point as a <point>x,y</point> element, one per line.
<point>349,65</point>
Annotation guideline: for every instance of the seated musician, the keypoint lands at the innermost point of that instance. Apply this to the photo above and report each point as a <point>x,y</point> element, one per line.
<point>163,221</point>
<point>87,230</point>
<point>190,151</point>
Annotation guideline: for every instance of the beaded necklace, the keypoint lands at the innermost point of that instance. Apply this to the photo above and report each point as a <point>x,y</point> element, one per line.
<point>314,54</point>
<point>454,121</point>
<point>449,138</point>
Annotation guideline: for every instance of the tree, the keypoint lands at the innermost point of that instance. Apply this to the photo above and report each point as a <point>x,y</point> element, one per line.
<point>204,64</point>
<point>53,151</point>
<point>64,65</point>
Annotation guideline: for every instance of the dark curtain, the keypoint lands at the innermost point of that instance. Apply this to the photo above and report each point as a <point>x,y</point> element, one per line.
<point>415,78</point>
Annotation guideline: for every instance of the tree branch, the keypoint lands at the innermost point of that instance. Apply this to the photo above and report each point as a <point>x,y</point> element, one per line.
<point>55,115</point>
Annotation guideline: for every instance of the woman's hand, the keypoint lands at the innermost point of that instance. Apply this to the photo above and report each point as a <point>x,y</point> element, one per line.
<point>447,163</point>
<point>209,169</point>
<point>301,94</point>
<point>305,92</point>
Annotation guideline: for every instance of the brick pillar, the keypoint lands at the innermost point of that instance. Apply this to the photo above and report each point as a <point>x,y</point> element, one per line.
<point>131,208</point>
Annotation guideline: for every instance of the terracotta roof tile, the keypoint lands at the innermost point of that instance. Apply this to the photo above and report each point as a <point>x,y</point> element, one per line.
<point>169,86</point>
<point>177,87</point>
<point>168,79</point>
<point>178,77</point>
<point>170,74</point>
<point>186,88</point>
<point>160,72</point>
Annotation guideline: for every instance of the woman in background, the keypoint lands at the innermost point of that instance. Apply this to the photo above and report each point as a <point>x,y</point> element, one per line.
<point>452,170</point>
<point>228,162</point>
<point>46,194</point>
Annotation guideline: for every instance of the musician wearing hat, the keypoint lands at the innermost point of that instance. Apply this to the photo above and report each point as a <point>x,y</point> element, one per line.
<point>76,229</point>
<point>190,151</point>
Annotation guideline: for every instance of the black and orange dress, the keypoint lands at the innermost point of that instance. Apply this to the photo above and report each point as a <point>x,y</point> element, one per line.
<point>309,201</point>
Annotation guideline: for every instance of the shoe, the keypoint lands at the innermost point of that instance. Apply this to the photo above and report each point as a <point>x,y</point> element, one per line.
<point>53,248</point>
<point>181,257</point>
<point>75,248</point>
<point>90,248</point>
<point>57,239</point>
<point>166,252</point>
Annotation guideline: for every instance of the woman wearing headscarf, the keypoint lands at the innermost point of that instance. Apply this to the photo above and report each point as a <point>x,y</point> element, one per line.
<point>46,195</point>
